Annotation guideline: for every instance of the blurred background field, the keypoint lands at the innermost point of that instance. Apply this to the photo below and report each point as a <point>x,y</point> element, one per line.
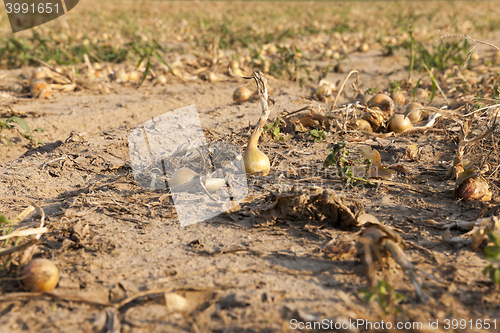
<point>117,31</point>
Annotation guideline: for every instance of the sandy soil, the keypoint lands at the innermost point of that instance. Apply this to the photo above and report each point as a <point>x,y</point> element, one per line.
<point>113,239</point>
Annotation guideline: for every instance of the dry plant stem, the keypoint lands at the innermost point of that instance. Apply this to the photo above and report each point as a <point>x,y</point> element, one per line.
<point>261,82</point>
<point>18,248</point>
<point>457,166</point>
<point>28,253</point>
<point>477,41</point>
<point>25,232</point>
<point>408,268</point>
<point>23,215</point>
<point>61,77</point>
<point>343,84</point>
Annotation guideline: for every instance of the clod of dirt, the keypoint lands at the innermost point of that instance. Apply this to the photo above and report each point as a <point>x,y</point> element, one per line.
<point>321,205</point>
<point>80,233</point>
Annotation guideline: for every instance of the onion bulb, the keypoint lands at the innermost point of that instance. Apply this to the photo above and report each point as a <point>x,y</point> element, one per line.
<point>382,101</point>
<point>40,275</point>
<point>364,47</point>
<point>399,123</point>
<point>471,186</point>
<point>40,89</point>
<point>120,76</point>
<point>256,161</point>
<point>323,93</point>
<point>412,112</point>
<point>181,176</point>
<point>16,87</point>
<point>361,125</point>
<point>214,184</point>
<point>241,95</point>
<point>134,76</point>
<point>398,97</point>
<point>234,64</point>
<point>235,68</point>
<point>160,79</point>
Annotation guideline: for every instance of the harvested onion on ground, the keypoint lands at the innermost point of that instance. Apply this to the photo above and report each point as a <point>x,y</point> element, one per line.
<point>382,101</point>
<point>413,112</point>
<point>40,275</point>
<point>256,161</point>
<point>398,97</point>
<point>399,123</point>
<point>241,95</point>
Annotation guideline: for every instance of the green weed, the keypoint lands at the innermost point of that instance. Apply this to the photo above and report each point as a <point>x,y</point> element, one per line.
<point>339,156</point>
<point>148,50</point>
<point>492,254</point>
<point>318,135</point>
<point>386,296</point>
<point>440,57</point>
<point>289,63</point>
<point>435,85</point>
<point>394,86</point>
<point>274,129</point>
<point>24,132</point>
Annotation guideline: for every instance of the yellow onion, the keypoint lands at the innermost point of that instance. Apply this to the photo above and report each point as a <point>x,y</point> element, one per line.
<point>399,123</point>
<point>181,176</point>
<point>376,117</point>
<point>361,125</point>
<point>238,71</point>
<point>40,73</point>
<point>175,302</point>
<point>256,161</point>
<point>40,89</point>
<point>472,186</point>
<point>211,77</point>
<point>412,112</point>
<point>235,68</point>
<point>398,97</point>
<point>160,79</point>
<point>241,95</point>
<point>323,93</point>
<point>214,184</point>
<point>234,64</point>
<point>411,152</point>
<point>413,106</point>
<point>120,76</point>
<point>40,275</point>
<point>382,101</point>
<point>363,47</point>
<point>16,87</point>
<point>134,76</point>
